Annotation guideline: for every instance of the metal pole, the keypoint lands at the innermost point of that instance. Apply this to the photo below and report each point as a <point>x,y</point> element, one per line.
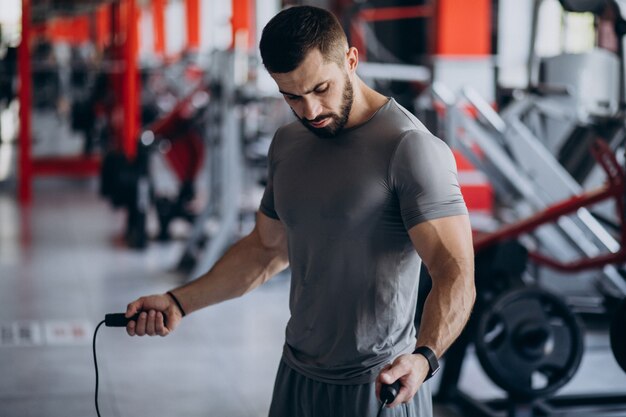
<point>131,91</point>
<point>25,97</point>
<point>243,21</point>
<point>158,16</point>
<point>193,24</point>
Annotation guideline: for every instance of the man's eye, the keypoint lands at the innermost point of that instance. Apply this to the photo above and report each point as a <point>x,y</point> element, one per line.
<point>291,97</point>
<point>322,89</point>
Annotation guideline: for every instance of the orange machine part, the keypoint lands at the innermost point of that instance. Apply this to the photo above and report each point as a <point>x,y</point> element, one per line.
<point>463,27</point>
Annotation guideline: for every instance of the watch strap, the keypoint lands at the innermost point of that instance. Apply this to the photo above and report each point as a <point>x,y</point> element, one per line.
<point>433,362</point>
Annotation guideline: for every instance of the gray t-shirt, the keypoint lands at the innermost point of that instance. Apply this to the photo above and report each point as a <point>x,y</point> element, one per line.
<point>347,203</point>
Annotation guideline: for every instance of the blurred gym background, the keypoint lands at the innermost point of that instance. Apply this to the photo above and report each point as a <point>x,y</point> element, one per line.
<point>133,152</point>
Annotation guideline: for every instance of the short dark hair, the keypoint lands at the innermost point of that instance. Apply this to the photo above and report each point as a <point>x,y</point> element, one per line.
<point>294,32</point>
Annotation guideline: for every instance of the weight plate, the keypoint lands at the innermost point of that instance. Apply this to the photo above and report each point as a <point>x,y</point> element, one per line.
<point>618,335</point>
<point>529,343</point>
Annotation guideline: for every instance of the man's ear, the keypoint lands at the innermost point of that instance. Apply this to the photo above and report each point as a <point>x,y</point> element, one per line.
<point>352,59</point>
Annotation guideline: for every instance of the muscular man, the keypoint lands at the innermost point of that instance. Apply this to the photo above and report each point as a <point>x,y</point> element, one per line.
<point>359,195</point>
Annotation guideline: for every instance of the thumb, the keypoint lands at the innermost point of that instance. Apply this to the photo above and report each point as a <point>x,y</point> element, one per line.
<point>391,374</point>
<point>134,307</point>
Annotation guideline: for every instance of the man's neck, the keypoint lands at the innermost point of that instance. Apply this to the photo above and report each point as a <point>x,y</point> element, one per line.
<point>366,102</point>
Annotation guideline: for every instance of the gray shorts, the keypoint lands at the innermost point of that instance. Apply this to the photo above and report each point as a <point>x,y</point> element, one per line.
<point>298,396</point>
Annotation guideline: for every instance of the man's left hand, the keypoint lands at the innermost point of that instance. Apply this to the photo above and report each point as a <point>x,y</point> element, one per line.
<point>411,370</point>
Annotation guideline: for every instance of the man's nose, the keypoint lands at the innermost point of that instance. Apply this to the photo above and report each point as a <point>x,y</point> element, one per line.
<point>311,109</point>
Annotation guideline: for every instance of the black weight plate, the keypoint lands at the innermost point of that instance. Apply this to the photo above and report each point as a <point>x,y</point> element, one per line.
<point>618,335</point>
<point>529,343</point>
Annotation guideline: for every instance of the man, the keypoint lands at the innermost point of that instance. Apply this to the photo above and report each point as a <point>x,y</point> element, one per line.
<point>359,193</point>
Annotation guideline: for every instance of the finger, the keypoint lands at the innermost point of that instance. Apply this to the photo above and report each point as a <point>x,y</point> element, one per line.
<point>168,318</point>
<point>130,328</point>
<point>393,373</point>
<point>160,328</point>
<point>378,381</point>
<point>134,307</point>
<point>140,328</point>
<point>150,324</point>
<point>404,395</point>
<point>382,371</point>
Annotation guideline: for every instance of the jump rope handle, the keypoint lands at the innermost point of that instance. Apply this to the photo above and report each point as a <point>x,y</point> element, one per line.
<point>388,393</point>
<point>120,320</point>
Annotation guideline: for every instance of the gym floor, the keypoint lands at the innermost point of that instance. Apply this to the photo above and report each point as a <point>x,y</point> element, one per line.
<point>62,269</point>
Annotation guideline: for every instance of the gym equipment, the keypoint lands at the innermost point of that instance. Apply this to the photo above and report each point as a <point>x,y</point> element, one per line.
<point>535,154</point>
<point>614,189</point>
<point>544,182</point>
<point>618,335</point>
<point>529,343</point>
<point>558,233</point>
<point>565,108</point>
<point>226,168</point>
<point>552,205</point>
<point>185,155</point>
<point>128,184</point>
<point>499,268</point>
<point>547,217</point>
<point>532,185</point>
<point>110,320</point>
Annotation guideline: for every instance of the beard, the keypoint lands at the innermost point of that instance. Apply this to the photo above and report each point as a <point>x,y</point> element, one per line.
<point>338,120</point>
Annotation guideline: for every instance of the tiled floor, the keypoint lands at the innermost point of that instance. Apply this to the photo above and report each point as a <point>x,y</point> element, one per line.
<point>62,269</point>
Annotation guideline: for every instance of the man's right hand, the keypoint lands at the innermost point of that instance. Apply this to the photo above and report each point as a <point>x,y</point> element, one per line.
<point>151,320</point>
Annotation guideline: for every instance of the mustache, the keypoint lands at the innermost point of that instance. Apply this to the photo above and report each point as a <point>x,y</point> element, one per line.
<point>318,118</point>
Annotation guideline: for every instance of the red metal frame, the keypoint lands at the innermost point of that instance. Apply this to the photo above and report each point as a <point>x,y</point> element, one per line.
<point>243,19</point>
<point>182,110</point>
<point>193,24</point>
<point>158,12</point>
<point>74,30</point>
<point>75,167</point>
<point>383,14</point>
<point>102,35</point>
<point>131,88</point>
<point>613,189</point>
<point>123,39</point>
<point>187,153</point>
<point>124,111</point>
<point>25,97</point>
<point>394,13</point>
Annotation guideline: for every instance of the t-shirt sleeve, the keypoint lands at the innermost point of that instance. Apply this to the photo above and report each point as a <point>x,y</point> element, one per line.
<point>267,202</point>
<point>424,177</point>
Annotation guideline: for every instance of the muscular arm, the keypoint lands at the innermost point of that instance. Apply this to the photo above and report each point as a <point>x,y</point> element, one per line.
<point>445,246</point>
<point>246,265</point>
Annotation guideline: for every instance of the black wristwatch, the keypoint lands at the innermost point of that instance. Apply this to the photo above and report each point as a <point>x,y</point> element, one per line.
<point>430,356</point>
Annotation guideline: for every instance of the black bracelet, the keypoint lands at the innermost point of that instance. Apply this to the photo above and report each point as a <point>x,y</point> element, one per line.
<point>180,307</point>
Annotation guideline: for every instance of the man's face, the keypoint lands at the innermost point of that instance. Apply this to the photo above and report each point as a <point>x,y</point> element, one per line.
<point>319,93</point>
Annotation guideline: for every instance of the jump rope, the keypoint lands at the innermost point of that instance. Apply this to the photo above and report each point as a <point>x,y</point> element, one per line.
<point>388,393</point>
<point>110,320</point>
